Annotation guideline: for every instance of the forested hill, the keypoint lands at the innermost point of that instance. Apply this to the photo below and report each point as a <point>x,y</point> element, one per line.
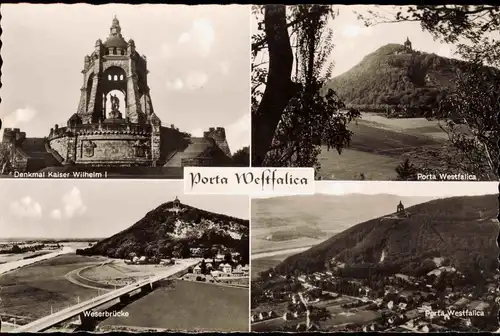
<point>171,230</point>
<point>462,230</point>
<point>391,76</point>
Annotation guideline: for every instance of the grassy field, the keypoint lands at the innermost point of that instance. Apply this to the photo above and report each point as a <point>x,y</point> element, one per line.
<point>378,146</point>
<point>189,306</point>
<point>32,291</point>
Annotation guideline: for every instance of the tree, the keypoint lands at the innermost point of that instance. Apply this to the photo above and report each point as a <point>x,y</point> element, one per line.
<point>228,259</point>
<point>203,267</point>
<point>185,252</point>
<point>406,171</point>
<point>241,158</point>
<point>16,249</point>
<point>294,115</point>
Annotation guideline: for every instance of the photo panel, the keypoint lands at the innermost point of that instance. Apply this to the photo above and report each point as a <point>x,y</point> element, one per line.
<point>122,255</point>
<point>377,257</point>
<point>369,92</point>
<point>123,91</point>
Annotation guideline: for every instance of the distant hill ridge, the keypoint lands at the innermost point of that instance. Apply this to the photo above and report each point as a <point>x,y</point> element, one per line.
<point>462,230</point>
<point>171,229</point>
<point>392,76</point>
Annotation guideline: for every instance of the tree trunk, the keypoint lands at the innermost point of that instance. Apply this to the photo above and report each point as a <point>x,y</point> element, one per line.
<point>279,87</point>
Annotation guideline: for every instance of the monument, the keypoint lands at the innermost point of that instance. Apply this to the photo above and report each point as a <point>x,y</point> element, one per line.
<point>407,45</point>
<point>400,209</point>
<point>113,133</point>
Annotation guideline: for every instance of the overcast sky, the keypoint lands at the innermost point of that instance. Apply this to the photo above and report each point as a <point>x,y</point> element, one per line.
<point>353,41</point>
<point>198,57</point>
<point>94,208</point>
<point>416,189</point>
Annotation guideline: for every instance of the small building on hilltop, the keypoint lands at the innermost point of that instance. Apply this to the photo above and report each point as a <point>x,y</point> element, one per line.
<point>400,208</point>
<point>407,45</point>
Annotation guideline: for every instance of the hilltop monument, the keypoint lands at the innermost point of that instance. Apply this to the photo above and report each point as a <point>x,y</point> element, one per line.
<point>115,124</point>
<point>400,209</point>
<point>407,45</point>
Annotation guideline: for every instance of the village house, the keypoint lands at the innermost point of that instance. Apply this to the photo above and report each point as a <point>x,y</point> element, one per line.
<point>226,268</point>
<point>263,315</point>
<point>197,269</point>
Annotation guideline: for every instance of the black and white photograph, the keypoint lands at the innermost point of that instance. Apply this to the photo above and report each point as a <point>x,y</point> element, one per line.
<point>368,92</point>
<point>377,257</point>
<point>123,91</point>
<point>122,255</point>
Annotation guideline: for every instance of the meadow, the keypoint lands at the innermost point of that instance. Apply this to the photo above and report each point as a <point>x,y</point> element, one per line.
<point>32,291</point>
<point>190,306</point>
<point>379,145</point>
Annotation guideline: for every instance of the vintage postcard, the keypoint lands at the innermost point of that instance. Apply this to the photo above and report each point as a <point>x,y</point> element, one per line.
<point>130,256</point>
<point>372,92</point>
<point>377,256</point>
<point>130,91</point>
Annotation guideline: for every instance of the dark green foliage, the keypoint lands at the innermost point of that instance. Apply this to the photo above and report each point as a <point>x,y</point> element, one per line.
<point>241,158</point>
<point>406,171</point>
<point>460,229</point>
<point>154,235</point>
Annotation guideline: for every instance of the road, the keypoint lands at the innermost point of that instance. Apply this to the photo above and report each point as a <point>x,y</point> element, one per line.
<point>7,267</point>
<point>65,314</point>
<point>280,252</point>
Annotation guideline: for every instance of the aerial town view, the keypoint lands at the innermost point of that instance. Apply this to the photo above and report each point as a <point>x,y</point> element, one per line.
<point>90,113</point>
<point>76,261</point>
<point>428,267</point>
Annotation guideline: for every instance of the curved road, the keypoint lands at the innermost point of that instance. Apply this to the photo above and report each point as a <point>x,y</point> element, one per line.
<point>65,314</point>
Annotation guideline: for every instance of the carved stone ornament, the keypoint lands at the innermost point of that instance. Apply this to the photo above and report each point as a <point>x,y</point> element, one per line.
<point>88,148</point>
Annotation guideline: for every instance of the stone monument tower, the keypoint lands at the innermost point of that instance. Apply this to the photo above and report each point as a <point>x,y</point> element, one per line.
<point>115,65</point>
<point>407,45</point>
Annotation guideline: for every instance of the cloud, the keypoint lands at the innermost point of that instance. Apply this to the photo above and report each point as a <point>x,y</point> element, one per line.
<point>177,84</point>
<point>196,79</point>
<point>73,203</point>
<point>20,115</point>
<point>238,133</point>
<point>26,208</point>
<point>225,67</point>
<point>201,36</point>
<point>56,214</point>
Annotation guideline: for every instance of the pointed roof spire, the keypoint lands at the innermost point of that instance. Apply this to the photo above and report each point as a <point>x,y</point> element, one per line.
<point>115,27</point>
<point>115,38</point>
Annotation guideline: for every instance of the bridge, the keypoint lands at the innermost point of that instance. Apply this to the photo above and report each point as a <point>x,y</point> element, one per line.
<point>123,294</point>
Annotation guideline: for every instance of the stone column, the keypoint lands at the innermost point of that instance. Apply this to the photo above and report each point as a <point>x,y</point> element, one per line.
<point>134,111</point>
<point>92,100</point>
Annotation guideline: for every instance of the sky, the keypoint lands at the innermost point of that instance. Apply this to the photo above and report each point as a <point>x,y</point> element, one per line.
<point>198,58</point>
<point>94,208</point>
<point>353,41</point>
<point>432,189</point>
